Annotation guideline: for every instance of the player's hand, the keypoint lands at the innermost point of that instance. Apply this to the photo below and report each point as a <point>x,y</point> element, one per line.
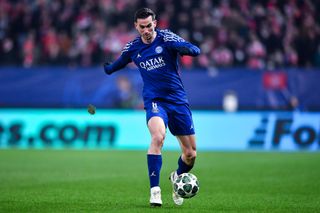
<point>107,68</point>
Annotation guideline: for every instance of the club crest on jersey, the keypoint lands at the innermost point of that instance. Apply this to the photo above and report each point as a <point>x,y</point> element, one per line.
<point>159,49</point>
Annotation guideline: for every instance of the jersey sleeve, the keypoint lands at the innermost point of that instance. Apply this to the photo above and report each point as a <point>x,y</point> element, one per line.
<point>180,45</point>
<point>121,62</point>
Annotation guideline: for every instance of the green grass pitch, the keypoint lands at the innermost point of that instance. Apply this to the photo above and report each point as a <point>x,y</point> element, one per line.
<point>116,181</point>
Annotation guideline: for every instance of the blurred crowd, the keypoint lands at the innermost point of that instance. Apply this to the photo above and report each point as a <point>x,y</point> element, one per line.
<point>258,34</point>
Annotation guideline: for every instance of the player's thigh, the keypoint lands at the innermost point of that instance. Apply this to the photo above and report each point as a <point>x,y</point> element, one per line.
<point>156,125</point>
<point>157,118</point>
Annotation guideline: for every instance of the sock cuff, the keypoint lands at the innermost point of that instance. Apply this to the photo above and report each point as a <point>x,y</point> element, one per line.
<point>181,162</point>
<point>183,167</point>
<point>153,156</point>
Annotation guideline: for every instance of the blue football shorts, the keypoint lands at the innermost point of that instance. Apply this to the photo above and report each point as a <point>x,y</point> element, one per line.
<point>177,117</point>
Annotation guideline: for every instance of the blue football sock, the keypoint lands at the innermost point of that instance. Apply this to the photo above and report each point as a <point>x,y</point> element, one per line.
<point>183,167</point>
<point>154,167</point>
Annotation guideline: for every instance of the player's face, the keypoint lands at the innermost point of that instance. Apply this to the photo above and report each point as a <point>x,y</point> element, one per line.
<point>146,28</point>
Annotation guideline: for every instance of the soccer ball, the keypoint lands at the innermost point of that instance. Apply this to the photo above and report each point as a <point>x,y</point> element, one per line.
<point>186,185</point>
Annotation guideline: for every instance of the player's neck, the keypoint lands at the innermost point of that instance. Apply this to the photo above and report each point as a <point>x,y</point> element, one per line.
<point>151,40</point>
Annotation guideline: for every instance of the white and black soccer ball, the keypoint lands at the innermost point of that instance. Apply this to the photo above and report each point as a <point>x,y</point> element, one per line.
<point>186,185</point>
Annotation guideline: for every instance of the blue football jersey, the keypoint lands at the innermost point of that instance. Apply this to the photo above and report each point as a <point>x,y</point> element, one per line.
<point>158,65</point>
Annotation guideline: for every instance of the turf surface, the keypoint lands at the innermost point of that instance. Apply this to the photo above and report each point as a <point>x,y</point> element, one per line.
<point>116,181</point>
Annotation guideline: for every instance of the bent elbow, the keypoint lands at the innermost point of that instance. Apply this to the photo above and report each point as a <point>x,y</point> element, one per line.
<point>197,51</point>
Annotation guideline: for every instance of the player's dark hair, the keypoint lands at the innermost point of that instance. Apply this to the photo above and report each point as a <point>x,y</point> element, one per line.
<point>144,13</point>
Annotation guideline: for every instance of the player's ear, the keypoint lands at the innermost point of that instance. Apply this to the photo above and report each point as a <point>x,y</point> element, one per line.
<point>155,23</point>
<point>136,25</point>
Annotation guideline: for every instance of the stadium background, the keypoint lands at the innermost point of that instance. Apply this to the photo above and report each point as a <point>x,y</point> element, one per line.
<point>260,60</point>
<point>253,91</point>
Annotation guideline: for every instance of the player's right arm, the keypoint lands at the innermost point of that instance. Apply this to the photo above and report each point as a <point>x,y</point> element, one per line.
<point>120,63</point>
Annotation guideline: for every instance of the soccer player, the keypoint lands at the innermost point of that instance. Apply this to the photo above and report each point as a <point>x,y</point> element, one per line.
<point>155,52</point>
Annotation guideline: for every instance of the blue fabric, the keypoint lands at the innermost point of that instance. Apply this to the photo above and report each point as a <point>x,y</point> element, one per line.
<point>158,65</point>
<point>183,167</point>
<point>177,117</point>
<point>154,167</point>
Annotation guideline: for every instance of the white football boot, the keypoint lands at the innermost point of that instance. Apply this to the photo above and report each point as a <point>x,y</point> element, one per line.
<point>155,197</point>
<point>176,198</point>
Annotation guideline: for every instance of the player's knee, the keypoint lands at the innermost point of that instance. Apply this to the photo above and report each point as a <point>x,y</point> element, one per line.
<point>157,139</point>
<point>190,156</point>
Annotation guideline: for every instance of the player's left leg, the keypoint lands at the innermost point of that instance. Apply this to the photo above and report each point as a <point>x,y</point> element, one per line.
<point>181,125</point>
<point>189,153</point>
<point>185,162</point>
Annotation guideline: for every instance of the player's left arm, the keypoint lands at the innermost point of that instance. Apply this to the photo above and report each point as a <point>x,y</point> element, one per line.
<point>186,48</point>
<point>180,45</point>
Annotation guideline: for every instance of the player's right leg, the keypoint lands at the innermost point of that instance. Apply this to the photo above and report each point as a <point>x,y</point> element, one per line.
<point>157,130</point>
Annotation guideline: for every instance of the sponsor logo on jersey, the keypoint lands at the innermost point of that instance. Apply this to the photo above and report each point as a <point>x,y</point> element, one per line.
<point>153,63</point>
